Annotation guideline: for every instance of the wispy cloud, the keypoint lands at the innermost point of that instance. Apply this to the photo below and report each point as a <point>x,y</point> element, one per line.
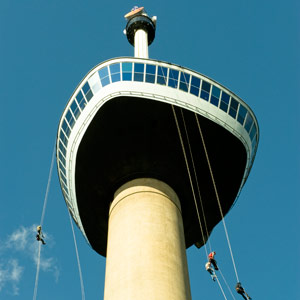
<point>22,242</point>
<point>10,273</point>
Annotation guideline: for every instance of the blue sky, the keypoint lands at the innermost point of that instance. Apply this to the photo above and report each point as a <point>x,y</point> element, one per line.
<point>46,48</point>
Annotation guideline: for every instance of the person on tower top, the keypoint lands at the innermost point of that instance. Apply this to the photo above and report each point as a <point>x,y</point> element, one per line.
<point>40,236</point>
<point>211,259</point>
<point>210,270</point>
<point>240,290</point>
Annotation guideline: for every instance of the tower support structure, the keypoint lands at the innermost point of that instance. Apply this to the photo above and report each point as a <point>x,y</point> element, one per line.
<point>141,44</point>
<point>146,257</point>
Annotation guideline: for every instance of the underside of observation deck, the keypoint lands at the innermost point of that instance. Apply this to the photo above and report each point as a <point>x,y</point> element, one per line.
<point>132,138</point>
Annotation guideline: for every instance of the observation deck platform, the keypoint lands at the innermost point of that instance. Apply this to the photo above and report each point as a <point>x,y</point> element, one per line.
<point>119,125</point>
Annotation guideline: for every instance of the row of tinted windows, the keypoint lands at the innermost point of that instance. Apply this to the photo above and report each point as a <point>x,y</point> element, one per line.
<point>128,71</point>
<point>73,113</point>
<point>140,72</point>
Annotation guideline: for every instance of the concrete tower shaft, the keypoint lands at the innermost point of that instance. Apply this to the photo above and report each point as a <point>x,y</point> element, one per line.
<point>146,256</point>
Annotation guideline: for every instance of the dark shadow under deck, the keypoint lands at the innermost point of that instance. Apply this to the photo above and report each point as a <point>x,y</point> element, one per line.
<point>135,137</point>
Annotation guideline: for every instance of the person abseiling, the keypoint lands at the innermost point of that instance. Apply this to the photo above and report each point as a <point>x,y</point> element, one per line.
<point>39,236</point>
<point>240,290</point>
<point>210,270</point>
<point>211,259</point>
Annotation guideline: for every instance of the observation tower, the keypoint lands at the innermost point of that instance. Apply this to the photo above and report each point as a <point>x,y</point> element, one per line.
<point>151,156</point>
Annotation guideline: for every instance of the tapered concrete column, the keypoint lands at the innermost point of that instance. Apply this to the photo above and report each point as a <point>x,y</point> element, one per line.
<point>146,258</point>
<point>141,44</point>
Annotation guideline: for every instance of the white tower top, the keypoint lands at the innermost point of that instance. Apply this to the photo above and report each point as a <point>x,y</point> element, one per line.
<point>140,30</point>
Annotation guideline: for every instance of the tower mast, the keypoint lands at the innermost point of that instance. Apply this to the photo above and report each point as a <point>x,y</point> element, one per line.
<point>140,31</point>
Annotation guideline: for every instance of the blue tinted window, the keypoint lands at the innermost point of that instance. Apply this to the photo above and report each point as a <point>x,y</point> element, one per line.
<point>242,114</point>
<point>70,119</point>
<point>205,89</point>
<point>150,73</point>
<point>254,144</point>
<point>75,109</point>
<point>233,107</point>
<point>81,101</point>
<point>62,176</point>
<point>114,68</point>
<point>162,73</point>
<point>104,76</point>
<point>139,72</point>
<point>195,85</point>
<point>215,96</point>
<point>173,78</point>
<point>249,122</point>
<point>252,132</point>
<point>224,101</point>
<point>86,88</point>
<point>87,92</point>
<point>115,72</point>
<point>62,159</point>
<point>65,187</point>
<point>127,71</point>
<point>63,138</point>
<point>62,168</point>
<point>66,128</point>
<point>139,68</point>
<point>62,148</point>
<point>184,81</point>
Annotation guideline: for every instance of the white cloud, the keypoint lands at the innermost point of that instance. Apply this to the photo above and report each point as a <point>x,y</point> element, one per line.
<point>10,273</point>
<point>22,242</point>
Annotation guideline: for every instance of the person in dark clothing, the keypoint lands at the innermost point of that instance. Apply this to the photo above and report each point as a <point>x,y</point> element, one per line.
<point>240,290</point>
<point>211,259</point>
<point>39,236</point>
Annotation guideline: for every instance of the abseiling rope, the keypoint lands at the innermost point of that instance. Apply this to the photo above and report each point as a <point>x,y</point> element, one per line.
<point>189,173</point>
<point>195,173</point>
<point>48,186</point>
<point>226,284</point>
<point>39,244</point>
<point>78,261</point>
<point>198,188</point>
<point>221,288</point>
<point>37,272</point>
<point>217,196</point>
<point>42,220</point>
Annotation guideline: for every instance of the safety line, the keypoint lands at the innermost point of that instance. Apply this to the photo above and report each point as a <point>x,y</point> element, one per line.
<point>221,288</point>
<point>78,261</point>
<point>48,186</point>
<point>217,196</point>
<point>37,272</point>
<point>198,188</point>
<point>226,284</point>
<point>195,173</point>
<point>189,173</point>
<point>41,222</point>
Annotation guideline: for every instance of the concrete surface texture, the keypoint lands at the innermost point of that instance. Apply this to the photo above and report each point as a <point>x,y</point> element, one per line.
<point>146,256</point>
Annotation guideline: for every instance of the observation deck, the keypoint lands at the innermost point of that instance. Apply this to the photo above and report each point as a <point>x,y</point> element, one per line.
<point>118,125</point>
